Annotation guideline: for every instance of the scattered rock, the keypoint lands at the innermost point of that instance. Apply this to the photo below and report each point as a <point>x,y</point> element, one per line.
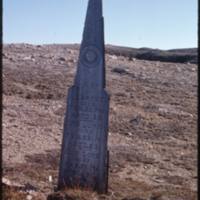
<point>136,198</point>
<point>114,57</point>
<point>136,120</point>
<point>29,197</point>
<point>29,187</point>
<point>120,71</point>
<point>71,60</point>
<point>9,183</point>
<point>129,134</point>
<point>61,59</point>
<point>27,58</point>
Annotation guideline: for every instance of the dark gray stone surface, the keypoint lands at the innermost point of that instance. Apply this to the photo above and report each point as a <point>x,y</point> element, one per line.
<point>84,155</point>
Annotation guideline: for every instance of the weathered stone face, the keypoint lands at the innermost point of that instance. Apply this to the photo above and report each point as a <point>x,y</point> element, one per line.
<point>84,156</point>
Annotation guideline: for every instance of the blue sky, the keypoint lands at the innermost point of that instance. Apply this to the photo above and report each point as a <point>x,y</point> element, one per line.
<point>163,24</point>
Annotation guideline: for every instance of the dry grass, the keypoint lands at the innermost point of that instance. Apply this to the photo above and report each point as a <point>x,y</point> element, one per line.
<point>12,194</point>
<point>74,194</point>
<point>138,193</point>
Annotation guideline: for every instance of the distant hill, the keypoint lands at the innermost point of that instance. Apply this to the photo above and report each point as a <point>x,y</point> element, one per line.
<point>173,55</point>
<point>187,55</point>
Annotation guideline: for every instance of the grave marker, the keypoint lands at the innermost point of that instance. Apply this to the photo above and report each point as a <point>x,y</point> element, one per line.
<point>84,154</point>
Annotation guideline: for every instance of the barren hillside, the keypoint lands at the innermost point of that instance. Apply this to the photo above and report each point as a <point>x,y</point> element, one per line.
<point>152,128</point>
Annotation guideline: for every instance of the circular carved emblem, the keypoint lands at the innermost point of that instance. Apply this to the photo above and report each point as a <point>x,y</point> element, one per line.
<point>90,56</point>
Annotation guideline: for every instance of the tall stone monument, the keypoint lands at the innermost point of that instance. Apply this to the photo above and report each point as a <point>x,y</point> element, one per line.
<point>84,154</point>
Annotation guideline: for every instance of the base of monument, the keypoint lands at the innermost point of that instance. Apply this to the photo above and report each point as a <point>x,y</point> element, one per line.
<point>72,194</point>
<point>100,188</point>
<point>84,187</point>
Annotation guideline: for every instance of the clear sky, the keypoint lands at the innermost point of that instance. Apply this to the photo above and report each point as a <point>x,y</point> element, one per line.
<point>163,24</point>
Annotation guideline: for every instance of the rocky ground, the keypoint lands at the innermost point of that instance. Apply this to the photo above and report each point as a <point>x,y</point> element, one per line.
<point>152,128</point>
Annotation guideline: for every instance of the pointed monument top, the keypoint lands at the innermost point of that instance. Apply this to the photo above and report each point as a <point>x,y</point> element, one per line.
<point>92,52</point>
<point>94,9</point>
<point>93,30</point>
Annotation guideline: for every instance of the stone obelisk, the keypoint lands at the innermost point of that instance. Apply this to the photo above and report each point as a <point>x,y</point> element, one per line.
<point>84,154</point>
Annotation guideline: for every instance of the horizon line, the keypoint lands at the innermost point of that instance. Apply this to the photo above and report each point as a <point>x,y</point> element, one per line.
<point>43,44</point>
